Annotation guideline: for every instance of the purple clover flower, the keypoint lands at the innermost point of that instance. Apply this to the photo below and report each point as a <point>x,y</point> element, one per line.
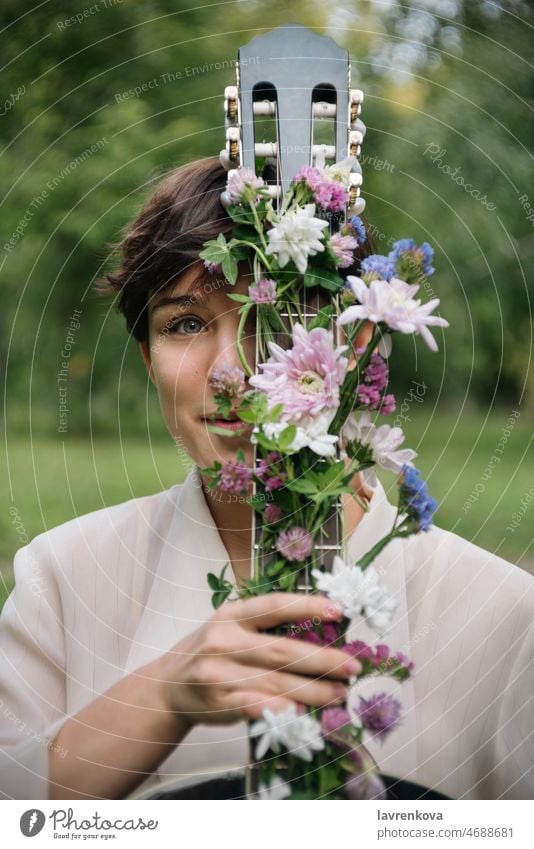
<point>272,512</point>
<point>343,247</point>
<point>332,720</point>
<point>212,267</point>
<point>263,292</point>
<point>331,195</point>
<point>295,544</point>
<point>375,379</point>
<point>234,477</point>
<point>414,498</point>
<point>379,714</point>
<point>388,405</point>
<point>228,381</point>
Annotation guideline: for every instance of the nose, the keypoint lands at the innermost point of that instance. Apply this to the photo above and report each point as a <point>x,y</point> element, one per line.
<point>236,345</point>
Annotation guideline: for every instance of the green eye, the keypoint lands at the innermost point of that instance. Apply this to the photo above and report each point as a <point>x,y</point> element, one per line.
<point>189,326</point>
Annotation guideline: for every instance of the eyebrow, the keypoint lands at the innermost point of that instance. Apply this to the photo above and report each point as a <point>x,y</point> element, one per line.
<point>192,296</point>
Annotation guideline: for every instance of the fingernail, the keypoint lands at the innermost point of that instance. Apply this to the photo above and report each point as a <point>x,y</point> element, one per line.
<point>352,667</point>
<point>340,691</point>
<point>333,611</point>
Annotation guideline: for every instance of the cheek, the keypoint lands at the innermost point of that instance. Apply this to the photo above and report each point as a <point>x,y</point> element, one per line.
<point>180,376</point>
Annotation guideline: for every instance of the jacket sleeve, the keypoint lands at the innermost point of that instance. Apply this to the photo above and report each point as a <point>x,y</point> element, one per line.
<point>32,675</point>
<point>514,757</point>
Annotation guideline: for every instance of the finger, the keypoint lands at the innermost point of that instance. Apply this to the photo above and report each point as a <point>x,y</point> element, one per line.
<point>314,692</point>
<point>251,704</point>
<point>298,656</point>
<point>266,611</point>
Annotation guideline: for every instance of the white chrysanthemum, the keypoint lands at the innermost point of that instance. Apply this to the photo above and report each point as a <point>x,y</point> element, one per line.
<point>358,592</point>
<point>276,790</point>
<point>393,303</point>
<point>297,235</point>
<point>300,734</point>
<point>384,442</point>
<point>311,433</point>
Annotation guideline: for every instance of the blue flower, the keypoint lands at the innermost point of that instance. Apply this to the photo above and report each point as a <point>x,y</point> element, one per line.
<point>422,254</point>
<point>359,228</point>
<point>414,498</point>
<point>379,265</point>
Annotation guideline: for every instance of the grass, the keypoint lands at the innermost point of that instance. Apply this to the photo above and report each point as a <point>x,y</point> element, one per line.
<point>49,481</point>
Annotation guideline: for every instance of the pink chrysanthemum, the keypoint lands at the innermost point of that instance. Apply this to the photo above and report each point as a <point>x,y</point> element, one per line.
<point>379,714</point>
<point>306,378</point>
<point>295,544</point>
<point>263,292</point>
<point>234,477</point>
<point>228,381</point>
<point>343,247</point>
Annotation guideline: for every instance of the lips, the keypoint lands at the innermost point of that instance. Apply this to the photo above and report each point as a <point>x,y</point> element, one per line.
<point>231,423</point>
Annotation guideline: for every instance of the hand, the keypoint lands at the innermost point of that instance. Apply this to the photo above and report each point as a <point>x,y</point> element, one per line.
<point>227,670</point>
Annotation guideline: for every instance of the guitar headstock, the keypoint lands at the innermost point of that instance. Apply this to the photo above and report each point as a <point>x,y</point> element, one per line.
<point>294,86</point>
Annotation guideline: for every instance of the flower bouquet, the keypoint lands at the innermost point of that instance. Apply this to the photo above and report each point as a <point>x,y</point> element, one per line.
<point>310,418</point>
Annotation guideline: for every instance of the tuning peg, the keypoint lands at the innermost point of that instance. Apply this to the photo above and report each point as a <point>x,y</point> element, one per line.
<point>232,143</point>
<point>356,100</point>
<point>357,207</point>
<point>230,102</point>
<point>225,160</point>
<point>359,127</point>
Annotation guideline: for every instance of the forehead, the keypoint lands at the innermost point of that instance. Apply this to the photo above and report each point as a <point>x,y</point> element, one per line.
<point>196,286</point>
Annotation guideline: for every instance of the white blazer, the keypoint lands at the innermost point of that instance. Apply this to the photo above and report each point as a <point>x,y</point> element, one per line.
<point>103,594</point>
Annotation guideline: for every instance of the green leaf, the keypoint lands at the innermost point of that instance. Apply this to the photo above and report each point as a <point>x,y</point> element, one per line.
<point>273,318</point>
<point>241,299</point>
<point>305,487</point>
<point>221,587</point>
<point>275,567</point>
<point>274,413</point>
<point>322,319</point>
<point>229,268</point>
<point>323,277</point>
<point>286,437</point>
<point>288,581</point>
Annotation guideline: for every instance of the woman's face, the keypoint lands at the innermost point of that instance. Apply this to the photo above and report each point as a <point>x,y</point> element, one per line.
<point>192,333</point>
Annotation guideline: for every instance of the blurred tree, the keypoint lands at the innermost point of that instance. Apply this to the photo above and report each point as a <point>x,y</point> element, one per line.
<point>100,99</point>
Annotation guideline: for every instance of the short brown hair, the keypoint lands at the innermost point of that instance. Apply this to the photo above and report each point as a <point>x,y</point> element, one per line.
<point>165,239</point>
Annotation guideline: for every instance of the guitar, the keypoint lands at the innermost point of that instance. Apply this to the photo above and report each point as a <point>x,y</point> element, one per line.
<point>293,106</point>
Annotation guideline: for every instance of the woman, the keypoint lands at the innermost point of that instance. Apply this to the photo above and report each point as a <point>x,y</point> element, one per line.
<point>118,675</point>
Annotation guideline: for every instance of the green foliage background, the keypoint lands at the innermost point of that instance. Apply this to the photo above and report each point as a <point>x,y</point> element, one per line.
<point>454,75</point>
